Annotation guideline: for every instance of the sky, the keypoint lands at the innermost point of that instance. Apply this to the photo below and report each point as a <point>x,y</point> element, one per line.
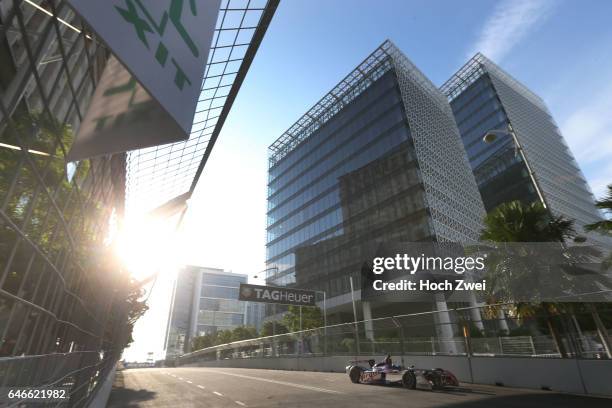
<point>560,49</point>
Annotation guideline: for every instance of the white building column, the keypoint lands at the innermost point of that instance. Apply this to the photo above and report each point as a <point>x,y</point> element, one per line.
<point>367,317</point>
<point>444,328</point>
<point>476,312</point>
<point>501,320</point>
<point>192,330</point>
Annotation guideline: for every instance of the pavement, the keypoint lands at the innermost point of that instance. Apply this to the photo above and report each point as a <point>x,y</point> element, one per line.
<point>236,388</point>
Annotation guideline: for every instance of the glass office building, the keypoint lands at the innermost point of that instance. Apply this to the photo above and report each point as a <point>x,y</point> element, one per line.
<point>204,301</point>
<point>219,307</point>
<point>484,97</point>
<point>377,159</point>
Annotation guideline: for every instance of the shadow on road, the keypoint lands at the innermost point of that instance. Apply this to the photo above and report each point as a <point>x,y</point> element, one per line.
<point>553,400</point>
<point>125,397</point>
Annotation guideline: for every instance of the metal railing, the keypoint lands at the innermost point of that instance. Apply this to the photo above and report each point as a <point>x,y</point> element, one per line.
<point>484,331</point>
<point>80,373</point>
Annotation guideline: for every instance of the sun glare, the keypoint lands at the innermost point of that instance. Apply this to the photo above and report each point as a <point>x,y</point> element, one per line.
<point>148,245</point>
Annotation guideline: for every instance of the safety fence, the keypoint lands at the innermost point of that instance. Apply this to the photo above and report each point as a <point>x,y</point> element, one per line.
<point>78,375</point>
<point>570,331</point>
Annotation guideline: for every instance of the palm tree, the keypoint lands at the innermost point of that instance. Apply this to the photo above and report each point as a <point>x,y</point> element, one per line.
<point>519,222</point>
<point>605,227</point>
<point>605,204</point>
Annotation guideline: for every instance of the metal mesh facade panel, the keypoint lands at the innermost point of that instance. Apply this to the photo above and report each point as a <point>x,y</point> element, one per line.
<point>563,184</point>
<point>452,194</point>
<point>158,174</point>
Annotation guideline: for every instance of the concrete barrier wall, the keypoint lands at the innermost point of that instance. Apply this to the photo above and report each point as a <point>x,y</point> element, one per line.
<point>597,375</point>
<point>566,375</point>
<point>555,374</point>
<point>101,398</point>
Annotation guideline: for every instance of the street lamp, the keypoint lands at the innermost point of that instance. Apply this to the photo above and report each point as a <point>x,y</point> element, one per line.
<point>492,135</point>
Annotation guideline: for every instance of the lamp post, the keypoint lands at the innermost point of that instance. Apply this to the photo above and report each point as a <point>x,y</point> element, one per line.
<point>274,304</point>
<point>492,135</point>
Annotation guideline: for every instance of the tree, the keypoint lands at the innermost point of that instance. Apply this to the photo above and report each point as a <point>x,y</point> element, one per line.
<point>605,227</point>
<point>224,337</point>
<point>605,204</point>
<point>270,328</point>
<point>244,333</point>
<point>311,318</point>
<point>137,307</point>
<point>204,341</point>
<point>518,222</point>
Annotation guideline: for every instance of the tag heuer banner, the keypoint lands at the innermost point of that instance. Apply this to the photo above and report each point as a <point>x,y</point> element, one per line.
<point>163,43</point>
<point>272,294</point>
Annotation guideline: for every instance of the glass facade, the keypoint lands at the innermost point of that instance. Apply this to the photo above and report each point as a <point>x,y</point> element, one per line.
<point>178,336</point>
<point>307,199</point>
<point>498,169</point>
<point>484,97</point>
<point>219,307</point>
<point>204,301</point>
<point>357,171</point>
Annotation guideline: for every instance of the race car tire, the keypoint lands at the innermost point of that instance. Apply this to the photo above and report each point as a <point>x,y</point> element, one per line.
<point>436,383</point>
<point>355,374</point>
<point>409,380</point>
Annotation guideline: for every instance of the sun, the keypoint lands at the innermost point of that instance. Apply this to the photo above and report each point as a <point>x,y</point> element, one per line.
<point>148,245</point>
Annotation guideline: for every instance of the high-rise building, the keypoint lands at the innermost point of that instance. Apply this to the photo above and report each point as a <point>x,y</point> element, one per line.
<point>484,97</point>
<point>377,159</point>
<point>205,301</point>
<point>255,315</point>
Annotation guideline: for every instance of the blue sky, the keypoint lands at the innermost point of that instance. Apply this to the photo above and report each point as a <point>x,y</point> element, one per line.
<point>561,49</point>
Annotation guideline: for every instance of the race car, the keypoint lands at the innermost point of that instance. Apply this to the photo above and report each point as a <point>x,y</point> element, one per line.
<point>386,373</point>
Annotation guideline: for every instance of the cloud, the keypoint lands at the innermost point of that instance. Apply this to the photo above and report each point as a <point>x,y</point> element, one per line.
<point>588,131</point>
<point>510,23</point>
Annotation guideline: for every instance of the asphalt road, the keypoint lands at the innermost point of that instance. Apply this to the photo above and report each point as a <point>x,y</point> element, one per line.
<point>233,387</point>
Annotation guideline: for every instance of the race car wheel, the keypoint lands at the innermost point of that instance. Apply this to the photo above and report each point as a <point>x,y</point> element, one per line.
<point>409,380</point>
<point>436,383</point>
<point>355,374</point>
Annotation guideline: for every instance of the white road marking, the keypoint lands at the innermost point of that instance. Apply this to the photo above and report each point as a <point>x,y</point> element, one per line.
<point>240,403</point>
<point>217,393</point>
<point>200,386</point>
<point>304,387</point>
<point>181,378</point>
<point>189,382</point>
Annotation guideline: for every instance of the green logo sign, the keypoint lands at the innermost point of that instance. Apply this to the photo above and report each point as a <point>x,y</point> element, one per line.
<point>136,13</point>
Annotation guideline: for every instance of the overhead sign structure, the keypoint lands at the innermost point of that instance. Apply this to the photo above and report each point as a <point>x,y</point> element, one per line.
<point>122,116</point>
<point>163,43</point>
<point>272,294</point>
